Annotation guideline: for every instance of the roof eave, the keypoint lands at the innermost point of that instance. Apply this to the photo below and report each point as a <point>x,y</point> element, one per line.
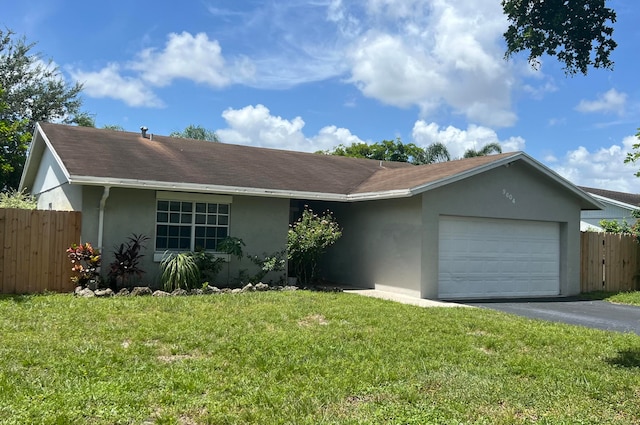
<point>587,201</point>
<point>604,200</point>
<point>29,174</point>
<point>235,190</point>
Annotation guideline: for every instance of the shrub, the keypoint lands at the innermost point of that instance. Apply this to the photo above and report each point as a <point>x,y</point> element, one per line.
<point>17,199</point>
<point>267,263</point>
<point>208,264</point>
<point>85,260</point>
<point>179,271</point>
<point>307,240</point>
<point>127,262</point>
<point>232,246</point>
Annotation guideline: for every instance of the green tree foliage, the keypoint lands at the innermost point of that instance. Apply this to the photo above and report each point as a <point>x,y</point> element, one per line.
<point>14,142</point>
<point>307,240</point>
<point>196,132</point>
<point>113,127</point>
<point>634,155</point>
<point>577,32</point>
<point>393,150</point>
<point>32,90</point>
<point>17,199</point>
<point>487,149</point>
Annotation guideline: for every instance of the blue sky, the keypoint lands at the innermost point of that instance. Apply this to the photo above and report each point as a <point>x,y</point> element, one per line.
<point>311,74</point>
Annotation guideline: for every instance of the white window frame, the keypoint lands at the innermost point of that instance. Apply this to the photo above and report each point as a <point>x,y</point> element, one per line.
<point>193,198</point>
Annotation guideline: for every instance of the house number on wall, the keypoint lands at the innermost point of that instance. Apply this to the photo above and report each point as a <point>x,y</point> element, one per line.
<point>509,196</point>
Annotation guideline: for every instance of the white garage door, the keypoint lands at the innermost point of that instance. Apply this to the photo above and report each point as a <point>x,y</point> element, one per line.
<point>486,258</point>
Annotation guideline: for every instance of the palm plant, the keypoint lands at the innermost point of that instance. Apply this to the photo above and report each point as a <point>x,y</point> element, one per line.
<point>179,271</point>
<point>487,149</point>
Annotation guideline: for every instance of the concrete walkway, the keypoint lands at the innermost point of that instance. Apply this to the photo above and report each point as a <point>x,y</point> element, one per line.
<point>404,299</point>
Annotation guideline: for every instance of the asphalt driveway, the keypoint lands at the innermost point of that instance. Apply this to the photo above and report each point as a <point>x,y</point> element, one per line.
<point>593,314</point>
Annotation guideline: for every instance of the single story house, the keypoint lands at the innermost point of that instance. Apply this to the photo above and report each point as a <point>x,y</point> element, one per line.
<point>495,226</point>
<point>618,206</point>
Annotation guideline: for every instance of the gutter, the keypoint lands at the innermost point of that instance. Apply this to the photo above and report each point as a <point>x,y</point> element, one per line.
<point>103,201</point>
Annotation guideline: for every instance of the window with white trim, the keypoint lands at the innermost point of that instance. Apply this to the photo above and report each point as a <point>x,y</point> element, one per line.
<point>189,224</point>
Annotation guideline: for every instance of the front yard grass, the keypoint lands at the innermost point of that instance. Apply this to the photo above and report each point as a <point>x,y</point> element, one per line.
<point>631,298</point>
<point>303,358</point>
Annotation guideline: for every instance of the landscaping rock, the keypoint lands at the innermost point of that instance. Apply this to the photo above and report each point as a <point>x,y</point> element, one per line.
<point>86,293</point>
<point>211,290</point>
<point>236,291</point>
<point>261,286</point>
<point>248,288</point>
<point>226,290</point>
<point>123,292</point>
<point>179,292</point>
<point>139,291</point>
<point>197,291</point>
<point>290,288</point>
<point>159,293</point>
<point>104,292</point>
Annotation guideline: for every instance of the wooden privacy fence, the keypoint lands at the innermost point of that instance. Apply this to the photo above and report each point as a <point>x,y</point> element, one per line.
<point>33,257</point>
<point>609,262</point>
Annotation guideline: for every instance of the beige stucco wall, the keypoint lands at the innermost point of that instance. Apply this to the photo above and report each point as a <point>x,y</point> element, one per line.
<point>492,195</point>
<point>380,246</point>
<point>393,244</point>
<point>260,222</point>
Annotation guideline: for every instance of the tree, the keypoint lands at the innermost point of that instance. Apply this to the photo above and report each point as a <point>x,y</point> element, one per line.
<point>577,32</point>
<point>14,143</point>
<point>113,127</point>
<point>634,155</point>
<point>487,149</point>
<point>307,240</point>
<point>393,150</point>
<point>32,90</point>
<point>196,132</point>
<point>435,152</point>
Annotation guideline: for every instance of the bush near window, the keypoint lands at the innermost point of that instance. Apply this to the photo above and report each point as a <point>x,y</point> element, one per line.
<point>307,240</point>
<point>179,271</point>
<point>188,270</point>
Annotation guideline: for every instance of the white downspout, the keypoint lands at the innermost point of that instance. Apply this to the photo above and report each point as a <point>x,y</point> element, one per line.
<point>103,201</point>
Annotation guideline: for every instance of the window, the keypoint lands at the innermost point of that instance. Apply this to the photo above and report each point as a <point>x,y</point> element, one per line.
<point>190,224</point>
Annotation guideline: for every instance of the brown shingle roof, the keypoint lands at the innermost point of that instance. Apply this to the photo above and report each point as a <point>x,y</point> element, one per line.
<point>105,155</point>
<point>627,198</point>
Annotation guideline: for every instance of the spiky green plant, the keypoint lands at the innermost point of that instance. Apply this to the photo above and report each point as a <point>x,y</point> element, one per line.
<point>179,271</point>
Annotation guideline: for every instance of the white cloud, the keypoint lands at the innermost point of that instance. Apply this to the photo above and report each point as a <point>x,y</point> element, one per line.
<point>332,136</point>
<point>108,82</point>
<point>255,126</point>
<point>195,58</point>
<point>603,168</point>
<point>458,141</point>
<point>611,101</point>
<point>433,54</point>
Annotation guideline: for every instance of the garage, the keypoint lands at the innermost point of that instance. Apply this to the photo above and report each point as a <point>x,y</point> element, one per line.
<point>490,258</point>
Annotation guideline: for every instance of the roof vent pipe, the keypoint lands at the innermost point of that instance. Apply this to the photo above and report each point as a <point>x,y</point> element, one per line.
<point>143,130</point>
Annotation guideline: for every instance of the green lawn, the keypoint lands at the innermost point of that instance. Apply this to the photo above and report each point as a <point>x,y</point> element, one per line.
<point>631,298</point>
<point>303,358</point>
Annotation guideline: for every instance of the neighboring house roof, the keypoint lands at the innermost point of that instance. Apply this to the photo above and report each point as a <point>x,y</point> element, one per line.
<point>621,199</point>
<point>114,158</point>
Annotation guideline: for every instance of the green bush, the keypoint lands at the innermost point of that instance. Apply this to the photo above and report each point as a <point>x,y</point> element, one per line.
<point>17,199</point>
<point>179,271</point>
<point>127,262</point>
<point>307,240</point>
<point>267,263</point>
